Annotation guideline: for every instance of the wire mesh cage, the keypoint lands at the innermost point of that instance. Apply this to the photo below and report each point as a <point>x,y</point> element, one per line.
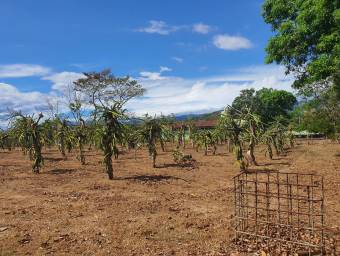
<point>280,213</point>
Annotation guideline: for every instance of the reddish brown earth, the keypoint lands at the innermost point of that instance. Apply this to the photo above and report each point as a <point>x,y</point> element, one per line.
<point>69,209</point>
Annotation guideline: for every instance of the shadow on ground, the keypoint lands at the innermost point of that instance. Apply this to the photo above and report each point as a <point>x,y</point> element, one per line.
<point>54,159</point>
<point>150,178</point>
<point>60,171</point>
<point>266,170</point>
<point>278,163</point>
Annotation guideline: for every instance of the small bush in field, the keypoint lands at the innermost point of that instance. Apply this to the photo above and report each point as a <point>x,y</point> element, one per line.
<point>183,160</point>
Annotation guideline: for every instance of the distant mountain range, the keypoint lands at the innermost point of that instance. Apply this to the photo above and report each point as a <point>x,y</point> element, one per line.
<point>205,116</point>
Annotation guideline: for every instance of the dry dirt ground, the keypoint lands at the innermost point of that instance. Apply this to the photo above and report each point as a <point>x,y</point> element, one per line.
<point>69,209</point>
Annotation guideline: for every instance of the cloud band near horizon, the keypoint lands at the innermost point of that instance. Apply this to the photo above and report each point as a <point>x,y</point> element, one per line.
<point>164,95</point>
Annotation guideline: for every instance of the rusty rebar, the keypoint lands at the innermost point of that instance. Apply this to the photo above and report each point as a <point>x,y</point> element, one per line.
<point>287,208</point>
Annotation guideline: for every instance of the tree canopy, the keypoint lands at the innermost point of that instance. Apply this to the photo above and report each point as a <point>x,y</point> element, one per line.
<point>320,114</point>
<point>306,40</point>
<point>268,103</point>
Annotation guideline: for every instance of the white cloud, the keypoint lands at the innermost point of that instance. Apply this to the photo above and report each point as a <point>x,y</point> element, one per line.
<point>155,75</point>
<point>179,95</point>
<point>162,28</point>
<point>33,102</point>
<point>27,102</point>
<point>164,69</point>
<point>201,28</point>
<point>12,98</point>
<point>178,59</point>
<point>165,94</point>
<point>151,75</point>
<point>22,70</point>
<point>232,43</point>
<point>158,27</point>
<point>63,80</point>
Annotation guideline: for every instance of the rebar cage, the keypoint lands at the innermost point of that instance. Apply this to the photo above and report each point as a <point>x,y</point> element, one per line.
<point>279,213</point>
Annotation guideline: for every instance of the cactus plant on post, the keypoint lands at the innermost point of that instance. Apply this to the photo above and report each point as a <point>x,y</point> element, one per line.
<point>27,131</point>
<point>80,129</point>
<point>151,132</point>
<point>108,95</point>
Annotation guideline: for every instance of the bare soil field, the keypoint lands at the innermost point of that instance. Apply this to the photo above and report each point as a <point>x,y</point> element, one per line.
<point>69,209</point>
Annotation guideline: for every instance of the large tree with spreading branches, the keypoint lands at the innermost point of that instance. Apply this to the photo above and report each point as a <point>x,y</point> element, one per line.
<point>306,40</point>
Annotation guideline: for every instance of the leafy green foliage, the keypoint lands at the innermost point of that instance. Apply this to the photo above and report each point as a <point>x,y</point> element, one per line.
<point>205,139</point>
<point>306,40</point>
<point>183,160</point>
<point>267,103</point>
<point>320,114</point>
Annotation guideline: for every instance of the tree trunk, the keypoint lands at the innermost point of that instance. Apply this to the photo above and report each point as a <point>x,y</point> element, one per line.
<point>214,151</point>
<point>162,144</point>
<point>81,151</point>
<point>237,147</point>
<point>252,142</point>
<point>38,159</point>
<point>251,152</point>
<point>108,165</point>
<point>183,138</point>
<point>190,137</point>
<point>154,159</point>
<point>108,152</point>
<point>115,150</point>
<point>229,145</point>
<point>107,142</point>
<point>270,151</point>
<point>62,146</point>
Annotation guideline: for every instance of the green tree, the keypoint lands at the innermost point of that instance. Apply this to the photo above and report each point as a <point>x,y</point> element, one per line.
<point>246,100</point>
<point>320,114</point>
<point>274,103</point>
<point>267,103</point>
<point>306,40</point>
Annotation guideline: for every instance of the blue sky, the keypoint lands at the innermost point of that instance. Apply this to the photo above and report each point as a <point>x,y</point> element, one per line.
<point>192,56</point>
